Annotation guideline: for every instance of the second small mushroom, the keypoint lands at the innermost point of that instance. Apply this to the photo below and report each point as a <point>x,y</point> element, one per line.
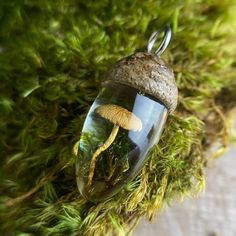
<point>120,117</point>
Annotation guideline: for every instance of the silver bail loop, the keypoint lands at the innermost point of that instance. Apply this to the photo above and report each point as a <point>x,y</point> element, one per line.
<point>164,43</point>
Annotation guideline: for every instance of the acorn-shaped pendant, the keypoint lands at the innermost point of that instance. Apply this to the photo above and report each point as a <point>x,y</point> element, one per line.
<point>125,121</point>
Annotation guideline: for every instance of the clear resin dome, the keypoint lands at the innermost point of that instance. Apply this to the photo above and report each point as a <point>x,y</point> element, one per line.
<point>121,127</point>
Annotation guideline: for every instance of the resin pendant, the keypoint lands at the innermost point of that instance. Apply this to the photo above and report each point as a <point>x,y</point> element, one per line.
<point>125,121</point>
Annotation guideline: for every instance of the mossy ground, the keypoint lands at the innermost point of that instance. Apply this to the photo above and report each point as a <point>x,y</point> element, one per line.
<point>52,57</point>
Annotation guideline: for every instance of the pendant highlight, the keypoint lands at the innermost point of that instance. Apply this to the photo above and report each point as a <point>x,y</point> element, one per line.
<point>124,122</point>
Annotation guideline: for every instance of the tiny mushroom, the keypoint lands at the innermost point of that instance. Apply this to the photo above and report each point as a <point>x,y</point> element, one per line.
<point>120,117</point>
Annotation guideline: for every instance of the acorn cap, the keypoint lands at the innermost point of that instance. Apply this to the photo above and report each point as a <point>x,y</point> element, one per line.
<point>147,73</point>
<point>120,116</point>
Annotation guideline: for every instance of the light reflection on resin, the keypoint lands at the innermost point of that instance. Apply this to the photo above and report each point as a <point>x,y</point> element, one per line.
<point>121,127</point>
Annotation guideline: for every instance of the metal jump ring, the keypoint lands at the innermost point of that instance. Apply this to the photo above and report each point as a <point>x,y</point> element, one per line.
<point>164,43</point>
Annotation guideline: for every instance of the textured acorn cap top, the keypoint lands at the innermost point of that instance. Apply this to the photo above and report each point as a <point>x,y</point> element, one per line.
<point>147,73</point>
<point>120,116</point>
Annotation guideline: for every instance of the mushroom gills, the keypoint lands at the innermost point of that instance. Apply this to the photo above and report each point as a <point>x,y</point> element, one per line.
<point>121,127</point>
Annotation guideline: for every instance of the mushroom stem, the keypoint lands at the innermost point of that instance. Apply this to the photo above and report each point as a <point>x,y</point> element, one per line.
<point>106,145</point>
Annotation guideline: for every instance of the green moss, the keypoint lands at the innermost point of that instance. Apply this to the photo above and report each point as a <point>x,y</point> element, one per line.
<point>52,57</point>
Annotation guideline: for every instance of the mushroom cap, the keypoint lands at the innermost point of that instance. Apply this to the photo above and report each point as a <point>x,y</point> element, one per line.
<point>120,116</point>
